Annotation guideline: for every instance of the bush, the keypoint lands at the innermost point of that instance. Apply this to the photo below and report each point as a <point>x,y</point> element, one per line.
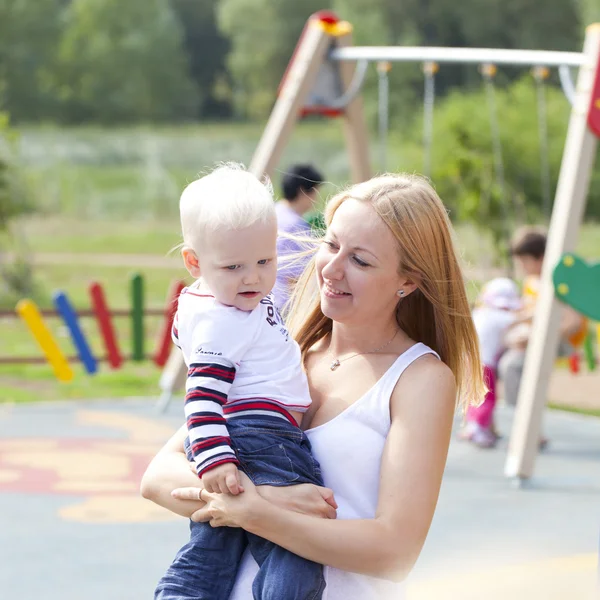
<point>15,200</point>
<point>463,162</point>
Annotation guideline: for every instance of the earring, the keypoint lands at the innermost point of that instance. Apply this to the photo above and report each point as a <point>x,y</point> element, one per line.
<point>401,293</point>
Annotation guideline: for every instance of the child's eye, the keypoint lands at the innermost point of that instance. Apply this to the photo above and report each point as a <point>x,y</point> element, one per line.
<point>264,261</point>
<point>232,267</point>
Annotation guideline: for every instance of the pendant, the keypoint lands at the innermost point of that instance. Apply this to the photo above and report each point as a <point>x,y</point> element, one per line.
<point>334,365</point>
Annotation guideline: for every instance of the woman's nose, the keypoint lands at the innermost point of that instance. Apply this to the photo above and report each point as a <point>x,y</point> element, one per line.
<point>334,269</point>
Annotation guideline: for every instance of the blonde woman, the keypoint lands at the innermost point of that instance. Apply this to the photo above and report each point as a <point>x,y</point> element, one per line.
<point>389,346</point>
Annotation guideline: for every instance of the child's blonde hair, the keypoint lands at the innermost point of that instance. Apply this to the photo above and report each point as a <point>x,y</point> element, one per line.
<point>228,197</point>
<point>438,312</point>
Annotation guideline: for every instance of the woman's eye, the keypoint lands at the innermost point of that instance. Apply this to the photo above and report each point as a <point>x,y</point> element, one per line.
<point>360,263</point>
<point>330,244</point>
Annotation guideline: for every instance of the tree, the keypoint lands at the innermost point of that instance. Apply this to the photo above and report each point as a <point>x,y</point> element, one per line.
<point>206,49</point>
<point>588,11</point>
<point>122,61</point>
<point>263,34</point>
<point>15,200</point>
<point>463,162</point>
<point>28,34</point>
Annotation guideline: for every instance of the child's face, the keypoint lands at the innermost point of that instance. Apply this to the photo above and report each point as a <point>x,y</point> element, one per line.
<point>527,266</point>
<point>240,266</point>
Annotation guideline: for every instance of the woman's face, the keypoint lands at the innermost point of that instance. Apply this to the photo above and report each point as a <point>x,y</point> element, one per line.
<point>357,266</point>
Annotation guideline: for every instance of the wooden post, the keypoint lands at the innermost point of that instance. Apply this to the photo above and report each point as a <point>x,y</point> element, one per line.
<point>567,214</point>
<point>355,125</point>
<point>299,80</point>
<point>137,317</point>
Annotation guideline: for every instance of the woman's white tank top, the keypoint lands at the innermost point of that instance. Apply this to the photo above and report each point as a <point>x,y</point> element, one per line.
<point>349,449</point>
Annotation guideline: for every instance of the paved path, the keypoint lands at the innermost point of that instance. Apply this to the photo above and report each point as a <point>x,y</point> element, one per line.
<point>74,526</point>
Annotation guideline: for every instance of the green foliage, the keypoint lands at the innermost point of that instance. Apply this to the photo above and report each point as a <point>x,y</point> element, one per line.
<point>15,197</point>
<point>589,11</point>
<point>463,162</point>
<point>108,61</point>
<point>122,61</point>
<point>206,48</point>
<point>263,34</point>
<point>29,32</point>
<point>15,200</point>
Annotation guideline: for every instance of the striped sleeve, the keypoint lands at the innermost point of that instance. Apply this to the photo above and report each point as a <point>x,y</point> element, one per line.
<point>208,381</point>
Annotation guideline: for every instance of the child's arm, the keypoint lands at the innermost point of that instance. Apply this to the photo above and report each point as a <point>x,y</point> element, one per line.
<point>208,382</point>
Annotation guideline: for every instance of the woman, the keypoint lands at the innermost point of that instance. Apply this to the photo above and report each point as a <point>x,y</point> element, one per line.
<point>389,345</point>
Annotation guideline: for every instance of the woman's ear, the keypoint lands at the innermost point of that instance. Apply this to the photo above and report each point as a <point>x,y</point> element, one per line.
<point>190,260</point>
<point>407,286</point>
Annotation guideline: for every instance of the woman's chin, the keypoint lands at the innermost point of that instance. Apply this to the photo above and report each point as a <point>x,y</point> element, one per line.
<point>335,309</point>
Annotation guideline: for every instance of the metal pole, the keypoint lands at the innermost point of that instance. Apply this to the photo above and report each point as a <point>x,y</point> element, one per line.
<point>496,56</point>
<point>430,69</point>
<point>540,74</point>
<point>489,71</point>
<point>383,69</point>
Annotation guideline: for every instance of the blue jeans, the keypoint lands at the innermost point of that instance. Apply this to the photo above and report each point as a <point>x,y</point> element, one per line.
<point>274,452</point>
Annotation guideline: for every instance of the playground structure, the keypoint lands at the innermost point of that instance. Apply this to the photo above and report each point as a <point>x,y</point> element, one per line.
<point>576,283</point>
<point>321,78</point>
<point>33,318</point>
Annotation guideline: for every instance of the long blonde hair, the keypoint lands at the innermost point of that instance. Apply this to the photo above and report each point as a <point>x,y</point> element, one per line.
<point>437,313</point>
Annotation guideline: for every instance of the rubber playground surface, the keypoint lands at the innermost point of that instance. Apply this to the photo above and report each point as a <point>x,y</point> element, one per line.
<point>73,524</point>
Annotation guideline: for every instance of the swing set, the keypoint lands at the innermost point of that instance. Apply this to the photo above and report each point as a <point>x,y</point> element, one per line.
<point>325,76</point>
<point>540,75</point>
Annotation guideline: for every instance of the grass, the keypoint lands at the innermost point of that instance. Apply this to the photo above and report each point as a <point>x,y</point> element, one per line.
<point>588,412</point>
<point>72,235</point>
<point>93,173</point>
<point>103,191</point>
<point>20,383</point>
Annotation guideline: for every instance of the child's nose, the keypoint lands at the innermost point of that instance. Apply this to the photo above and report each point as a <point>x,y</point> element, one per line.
<point>251,277</point>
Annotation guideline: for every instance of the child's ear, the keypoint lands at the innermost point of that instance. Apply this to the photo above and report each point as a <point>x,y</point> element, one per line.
<point>190,260</point>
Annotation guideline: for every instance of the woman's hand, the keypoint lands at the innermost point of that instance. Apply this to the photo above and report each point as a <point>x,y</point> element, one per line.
<point>224,510</point>
<point>304,498</point>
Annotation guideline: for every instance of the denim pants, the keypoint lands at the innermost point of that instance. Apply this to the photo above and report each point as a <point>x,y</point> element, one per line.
<point>271,451</point>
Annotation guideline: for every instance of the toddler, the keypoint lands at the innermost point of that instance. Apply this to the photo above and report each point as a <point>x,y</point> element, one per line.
<point>495,312</point>
<point>245,391</point>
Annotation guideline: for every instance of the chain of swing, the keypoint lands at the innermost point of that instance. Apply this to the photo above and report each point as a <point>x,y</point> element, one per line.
<point>488,72</point>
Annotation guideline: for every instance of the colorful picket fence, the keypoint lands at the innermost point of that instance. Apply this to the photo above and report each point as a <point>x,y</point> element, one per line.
<point>34,319</point>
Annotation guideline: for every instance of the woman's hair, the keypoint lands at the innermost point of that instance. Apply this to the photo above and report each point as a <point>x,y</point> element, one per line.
<point>228,197</point>
<point>437,313</point>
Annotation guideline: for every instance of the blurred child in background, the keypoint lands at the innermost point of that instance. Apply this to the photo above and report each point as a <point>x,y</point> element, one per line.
<point>495,312</point>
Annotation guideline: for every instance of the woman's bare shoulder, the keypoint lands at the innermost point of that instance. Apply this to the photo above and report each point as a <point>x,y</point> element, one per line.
<point>427,378</point>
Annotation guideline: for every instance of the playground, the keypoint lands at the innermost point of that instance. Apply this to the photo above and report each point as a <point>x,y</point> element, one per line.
<point>90,529</point>
<point>84,360</point>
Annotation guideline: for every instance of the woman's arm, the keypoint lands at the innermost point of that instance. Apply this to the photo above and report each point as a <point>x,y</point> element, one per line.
<point>170,469</point>
<point>422,408</point>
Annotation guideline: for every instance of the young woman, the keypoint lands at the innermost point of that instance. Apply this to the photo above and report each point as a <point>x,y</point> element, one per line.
<point>389,346</point>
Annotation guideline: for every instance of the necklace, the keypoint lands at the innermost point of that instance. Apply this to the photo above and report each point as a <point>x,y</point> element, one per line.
<point>337,362</point>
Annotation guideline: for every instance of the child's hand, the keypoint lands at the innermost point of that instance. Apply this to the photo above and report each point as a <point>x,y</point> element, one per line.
<point>224,479</point>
